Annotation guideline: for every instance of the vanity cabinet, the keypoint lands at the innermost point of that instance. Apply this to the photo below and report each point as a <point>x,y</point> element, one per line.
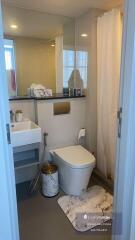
<point>26,162</point>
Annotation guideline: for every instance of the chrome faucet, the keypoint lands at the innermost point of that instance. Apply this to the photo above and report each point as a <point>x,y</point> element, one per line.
<point>11,116</point>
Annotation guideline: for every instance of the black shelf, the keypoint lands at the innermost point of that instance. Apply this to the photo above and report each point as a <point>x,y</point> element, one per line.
<point>55,96</point>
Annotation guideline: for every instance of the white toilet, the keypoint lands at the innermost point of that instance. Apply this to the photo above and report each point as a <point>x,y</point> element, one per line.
<point>75,165</point>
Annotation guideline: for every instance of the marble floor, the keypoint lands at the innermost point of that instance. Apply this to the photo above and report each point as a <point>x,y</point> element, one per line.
<point>41,218</point>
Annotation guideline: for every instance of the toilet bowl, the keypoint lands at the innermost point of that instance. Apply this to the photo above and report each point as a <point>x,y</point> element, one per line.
<point>75,166</point>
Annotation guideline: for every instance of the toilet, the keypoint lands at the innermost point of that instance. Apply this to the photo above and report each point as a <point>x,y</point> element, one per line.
<point>75,165</point>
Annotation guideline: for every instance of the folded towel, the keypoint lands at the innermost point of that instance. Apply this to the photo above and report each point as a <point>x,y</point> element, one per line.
<point>39,91</point>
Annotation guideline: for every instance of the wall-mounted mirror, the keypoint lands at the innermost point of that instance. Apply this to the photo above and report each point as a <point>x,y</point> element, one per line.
<point>40,49</point>
<point>33,41</point>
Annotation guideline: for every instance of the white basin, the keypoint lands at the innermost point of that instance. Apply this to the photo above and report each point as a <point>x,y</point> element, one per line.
<point>23,133</point>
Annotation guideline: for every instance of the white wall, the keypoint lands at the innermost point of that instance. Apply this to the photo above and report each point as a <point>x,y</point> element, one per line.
<point>27,106</point>
<point>88,24</point>
<point>62,129</point>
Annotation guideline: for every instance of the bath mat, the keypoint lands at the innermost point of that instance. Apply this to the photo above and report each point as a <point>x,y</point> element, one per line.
<point>89,210</point>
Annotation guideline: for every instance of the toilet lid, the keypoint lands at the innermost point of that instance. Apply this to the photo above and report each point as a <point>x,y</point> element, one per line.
<point>76,156</point>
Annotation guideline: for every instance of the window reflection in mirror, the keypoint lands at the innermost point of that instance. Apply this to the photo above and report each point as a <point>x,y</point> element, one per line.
<point>10,66</point>
<point>75,62</point>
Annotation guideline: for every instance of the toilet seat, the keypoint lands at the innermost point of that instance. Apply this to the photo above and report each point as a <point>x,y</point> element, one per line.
<point>75,156</point>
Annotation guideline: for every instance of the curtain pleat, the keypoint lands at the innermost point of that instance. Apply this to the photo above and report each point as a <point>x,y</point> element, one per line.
<point>109,32</point>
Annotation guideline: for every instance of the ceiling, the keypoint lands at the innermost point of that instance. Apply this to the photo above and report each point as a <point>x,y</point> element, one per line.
<point>70,8</point>
<point>32,23</point>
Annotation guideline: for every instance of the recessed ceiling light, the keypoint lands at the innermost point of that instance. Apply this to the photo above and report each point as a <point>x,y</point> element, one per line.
<point>84,35</point>
<point>14,26</point>
<point>52,45</point>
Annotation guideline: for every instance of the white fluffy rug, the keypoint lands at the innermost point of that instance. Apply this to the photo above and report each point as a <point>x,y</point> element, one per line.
<point>92,208</point>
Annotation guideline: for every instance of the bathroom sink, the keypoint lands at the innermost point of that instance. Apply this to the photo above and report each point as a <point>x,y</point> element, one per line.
<point>23,133</point>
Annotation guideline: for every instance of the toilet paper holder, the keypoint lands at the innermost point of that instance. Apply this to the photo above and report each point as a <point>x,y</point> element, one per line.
<point>81,134</point>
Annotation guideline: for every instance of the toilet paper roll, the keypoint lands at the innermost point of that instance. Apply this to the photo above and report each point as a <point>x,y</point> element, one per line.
<point>81,134</point>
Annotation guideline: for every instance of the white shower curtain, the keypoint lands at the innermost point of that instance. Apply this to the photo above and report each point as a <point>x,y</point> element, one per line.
<point>59,63</point>
<point>109,32</point>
